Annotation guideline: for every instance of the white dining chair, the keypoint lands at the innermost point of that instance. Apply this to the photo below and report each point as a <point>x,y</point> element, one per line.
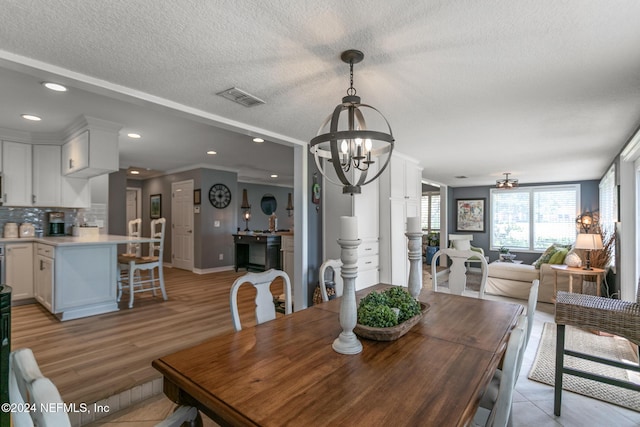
<point>458,270</point>
<point>265,304</point>
<point>334,265</point>
<point>500,414</point>
<point>135,282</point>
<point>27,385</point>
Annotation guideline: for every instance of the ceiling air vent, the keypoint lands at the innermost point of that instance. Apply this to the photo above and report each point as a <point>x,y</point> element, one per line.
<point>241,97</point>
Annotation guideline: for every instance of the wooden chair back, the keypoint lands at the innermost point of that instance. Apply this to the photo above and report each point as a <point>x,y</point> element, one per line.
<point>336,266</point>
<point>458,270</point>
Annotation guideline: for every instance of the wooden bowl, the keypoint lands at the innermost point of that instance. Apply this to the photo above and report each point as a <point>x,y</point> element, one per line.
<point>393,332</point>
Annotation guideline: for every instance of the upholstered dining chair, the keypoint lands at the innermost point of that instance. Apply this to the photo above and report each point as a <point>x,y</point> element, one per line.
<point>617,317</point>
<point>336,266</point>
<point>458,270</point>
<point>27,385</point>
<point>265,306</point>
<point>500,414</point>
<point>135,282</point>
<point>490,395</point>
<point>462,242</point>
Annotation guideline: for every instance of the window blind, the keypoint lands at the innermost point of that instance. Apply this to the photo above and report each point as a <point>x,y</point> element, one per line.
<point>533,218</point>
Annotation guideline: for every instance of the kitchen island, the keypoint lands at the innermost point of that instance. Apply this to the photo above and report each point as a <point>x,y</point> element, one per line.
<point>76,277</point>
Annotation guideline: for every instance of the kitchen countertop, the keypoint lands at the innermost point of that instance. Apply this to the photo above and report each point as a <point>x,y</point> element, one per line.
<point>102,239</point>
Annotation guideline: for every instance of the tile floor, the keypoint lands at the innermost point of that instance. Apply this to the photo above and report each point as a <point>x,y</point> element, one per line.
<point>532,405</point>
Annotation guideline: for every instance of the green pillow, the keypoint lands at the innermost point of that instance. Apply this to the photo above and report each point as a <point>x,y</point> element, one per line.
<point>544,259</point>
<point>559,256</point>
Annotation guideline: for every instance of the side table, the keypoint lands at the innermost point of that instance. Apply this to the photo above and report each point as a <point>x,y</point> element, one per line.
<point>576,271</point>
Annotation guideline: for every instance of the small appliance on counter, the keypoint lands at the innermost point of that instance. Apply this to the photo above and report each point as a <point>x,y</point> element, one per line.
<point>10,230</point>
<point>27,230</point>
<point>56,223</point>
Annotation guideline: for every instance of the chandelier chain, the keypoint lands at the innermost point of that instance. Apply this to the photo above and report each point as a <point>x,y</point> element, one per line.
<point>351,91</point>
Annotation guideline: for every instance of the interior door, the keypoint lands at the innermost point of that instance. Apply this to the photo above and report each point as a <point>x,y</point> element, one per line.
<point>182,224</point>
<point>133,200</point>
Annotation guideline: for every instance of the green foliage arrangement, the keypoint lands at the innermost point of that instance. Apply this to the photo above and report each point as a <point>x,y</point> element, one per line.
<point>377,308</point>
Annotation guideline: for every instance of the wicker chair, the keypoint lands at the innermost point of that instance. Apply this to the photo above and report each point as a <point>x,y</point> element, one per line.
<point>614,316</point>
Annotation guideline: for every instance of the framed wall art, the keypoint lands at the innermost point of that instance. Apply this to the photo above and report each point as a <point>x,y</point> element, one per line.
<point>471,215</point>
<point>155,205</point>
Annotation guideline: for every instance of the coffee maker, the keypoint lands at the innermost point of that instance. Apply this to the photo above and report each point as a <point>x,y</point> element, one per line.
<point>56,223</point>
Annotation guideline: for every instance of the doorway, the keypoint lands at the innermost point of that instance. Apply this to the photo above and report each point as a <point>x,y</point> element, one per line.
<point>182,224</point>
<point>134,203</point>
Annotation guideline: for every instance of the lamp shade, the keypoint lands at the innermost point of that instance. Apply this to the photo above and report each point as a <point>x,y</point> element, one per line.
<point>245,200</point>
<point>589,241</point>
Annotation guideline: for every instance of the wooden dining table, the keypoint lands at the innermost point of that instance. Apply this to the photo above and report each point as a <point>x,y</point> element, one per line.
<point>284,372</point>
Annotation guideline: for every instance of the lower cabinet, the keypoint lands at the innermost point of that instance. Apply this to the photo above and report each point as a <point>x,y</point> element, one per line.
<point>44,274</point>
<point>19,269</point>
<point>77,280</point>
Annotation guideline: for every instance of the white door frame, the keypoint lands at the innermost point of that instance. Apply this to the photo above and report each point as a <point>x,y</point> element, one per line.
<point>138,201</point>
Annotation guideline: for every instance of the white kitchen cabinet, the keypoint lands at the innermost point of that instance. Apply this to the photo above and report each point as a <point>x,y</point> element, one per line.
<point>19,269</point>
<point>400,195</point>
<point>47,181</point>
<point>16,166</point>
<point>92,150</point>
<point>44,271</point>
<point>364,207</point>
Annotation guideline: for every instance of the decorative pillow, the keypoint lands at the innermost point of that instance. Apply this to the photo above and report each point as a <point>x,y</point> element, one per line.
<point>573,260</point>
<point>559,256</point>
<point>461,245</point>
<point>544,258</point>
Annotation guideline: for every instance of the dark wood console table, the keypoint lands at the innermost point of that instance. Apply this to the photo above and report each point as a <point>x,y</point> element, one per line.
<point>258,252</point>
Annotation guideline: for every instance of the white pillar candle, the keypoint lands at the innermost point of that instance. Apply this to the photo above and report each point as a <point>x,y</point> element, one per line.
<point>413,224</point>
<point>348,228</point>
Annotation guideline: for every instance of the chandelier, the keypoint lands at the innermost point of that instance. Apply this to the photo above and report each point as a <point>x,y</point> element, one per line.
<point>507,183</point>
<point>348,144</point>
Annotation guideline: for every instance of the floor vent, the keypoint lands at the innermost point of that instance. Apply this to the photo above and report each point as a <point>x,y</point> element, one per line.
<point>241,97</point>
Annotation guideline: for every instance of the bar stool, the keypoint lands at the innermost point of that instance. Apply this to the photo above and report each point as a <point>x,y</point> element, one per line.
<point>134,281</point>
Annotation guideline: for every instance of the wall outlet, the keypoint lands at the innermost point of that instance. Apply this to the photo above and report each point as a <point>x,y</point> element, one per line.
<point>221,257</point>
<point>216,224</point>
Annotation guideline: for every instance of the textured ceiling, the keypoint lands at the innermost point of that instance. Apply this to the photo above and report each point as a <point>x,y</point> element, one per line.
<point>547,90</point>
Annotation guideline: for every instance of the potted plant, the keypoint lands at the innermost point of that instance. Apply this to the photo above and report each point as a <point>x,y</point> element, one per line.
<point>505,254</point>
<point>434,246</point>
<point>387,315</point>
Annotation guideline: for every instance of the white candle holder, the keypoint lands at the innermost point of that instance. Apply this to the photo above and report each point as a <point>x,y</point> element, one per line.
<point>347,342</point>
<point>415,263</point>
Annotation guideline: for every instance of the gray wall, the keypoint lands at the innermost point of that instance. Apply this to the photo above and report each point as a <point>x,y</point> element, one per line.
<point>314,224</point>
<point>259,220</point>
<point>589,194</point>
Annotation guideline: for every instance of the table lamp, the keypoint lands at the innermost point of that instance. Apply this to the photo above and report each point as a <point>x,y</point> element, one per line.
<point>588,242</point>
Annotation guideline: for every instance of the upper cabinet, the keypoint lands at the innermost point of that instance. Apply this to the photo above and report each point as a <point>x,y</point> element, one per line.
<point>91,150</point>
<point>16,166</point>
<point>46,175</point>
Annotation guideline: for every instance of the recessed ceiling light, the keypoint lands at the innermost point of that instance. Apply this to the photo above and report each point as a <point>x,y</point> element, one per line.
<point>211,152</point>
<point>258,140</point>
<point>31,117</point>
<point>54,86</point>
<point>134,135</point>
<point>274,175</point>
<point>135,172</point>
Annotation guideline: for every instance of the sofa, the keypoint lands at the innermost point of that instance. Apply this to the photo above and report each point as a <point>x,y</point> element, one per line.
<point>514,280</point>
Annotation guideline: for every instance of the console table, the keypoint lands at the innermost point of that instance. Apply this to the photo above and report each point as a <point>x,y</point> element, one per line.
<point>258,252</point>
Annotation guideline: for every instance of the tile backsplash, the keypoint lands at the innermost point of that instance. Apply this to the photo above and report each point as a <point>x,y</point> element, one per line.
<point>38,217</point>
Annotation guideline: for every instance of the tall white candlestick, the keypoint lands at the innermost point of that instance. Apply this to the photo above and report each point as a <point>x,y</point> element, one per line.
<point>348,228</point>
<point>413,224</point>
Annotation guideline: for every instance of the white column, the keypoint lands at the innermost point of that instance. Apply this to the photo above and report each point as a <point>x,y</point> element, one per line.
<point>347,342</point>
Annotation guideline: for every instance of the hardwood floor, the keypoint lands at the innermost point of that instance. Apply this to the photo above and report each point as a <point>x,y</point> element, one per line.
<point>92,358</point>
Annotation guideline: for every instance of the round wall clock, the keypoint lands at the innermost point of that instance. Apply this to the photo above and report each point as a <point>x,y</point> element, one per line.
<point>219,196</point>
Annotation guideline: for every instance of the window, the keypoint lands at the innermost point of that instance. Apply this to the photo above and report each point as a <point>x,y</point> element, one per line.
<point>430,211</point>
<point>608,201</point>
<point>533,218</point>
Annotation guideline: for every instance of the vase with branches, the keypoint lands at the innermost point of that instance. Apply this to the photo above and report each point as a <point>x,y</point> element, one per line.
<point>601,258</point>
